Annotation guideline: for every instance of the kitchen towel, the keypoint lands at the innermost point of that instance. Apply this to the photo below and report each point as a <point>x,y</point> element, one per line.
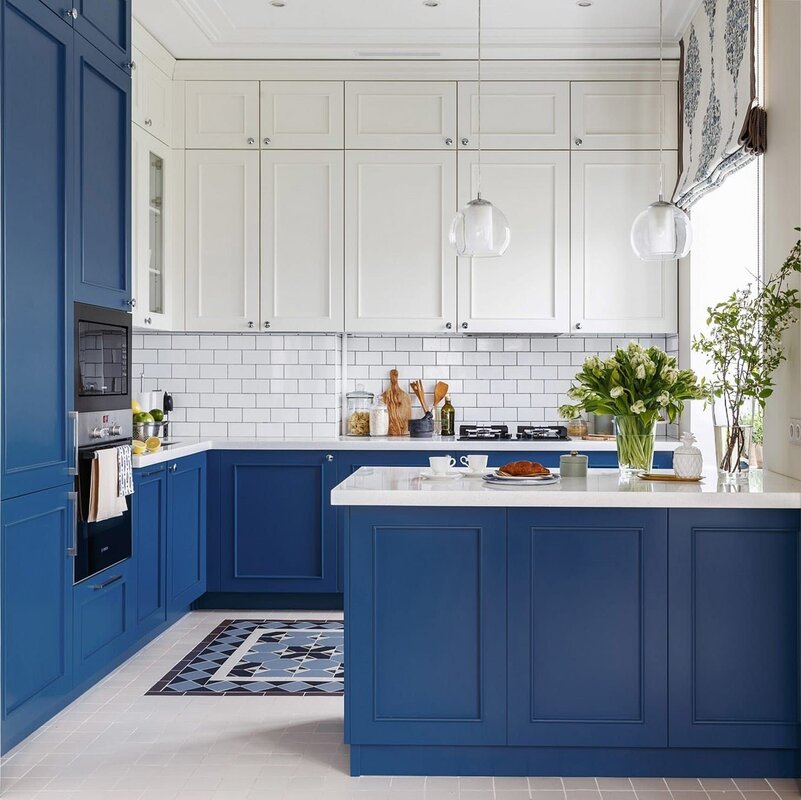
<point>104,499</point>
<point>125,471</point>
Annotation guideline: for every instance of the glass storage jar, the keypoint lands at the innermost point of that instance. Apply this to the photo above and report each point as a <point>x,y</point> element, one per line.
<point>358,411</point>
<point>379,419</point>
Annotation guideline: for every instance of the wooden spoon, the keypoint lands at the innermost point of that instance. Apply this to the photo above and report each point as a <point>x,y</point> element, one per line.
<point>417,388</point>
<point>440,390</point>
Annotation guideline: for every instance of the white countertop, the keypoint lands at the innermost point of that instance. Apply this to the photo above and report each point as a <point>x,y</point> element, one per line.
<point>186,447</point>
<point>602,488</point>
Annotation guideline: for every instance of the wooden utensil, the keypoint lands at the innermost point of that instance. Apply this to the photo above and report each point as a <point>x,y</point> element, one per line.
<point>440,390</point>
<point>417,388</point>
<point>399,406</point>
<point>668,476</point>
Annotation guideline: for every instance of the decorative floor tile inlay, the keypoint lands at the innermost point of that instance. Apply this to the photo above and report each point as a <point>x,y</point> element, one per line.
<point>262,657</point>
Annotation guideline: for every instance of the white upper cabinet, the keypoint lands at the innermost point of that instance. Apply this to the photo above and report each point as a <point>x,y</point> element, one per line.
<point>515,115</point>
<point>400,115</point>
<point>222,114</point>
<point>624,115</point>
<point>527,290</point>
<point>302,225</point>
<point>400,273</point>
<point>613,291</point>
<point>153,277</point>
<point>302,115</point>
<point>222,240</point>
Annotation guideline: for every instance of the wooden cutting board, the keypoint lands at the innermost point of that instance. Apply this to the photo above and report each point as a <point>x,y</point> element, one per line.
<point>399,406</point>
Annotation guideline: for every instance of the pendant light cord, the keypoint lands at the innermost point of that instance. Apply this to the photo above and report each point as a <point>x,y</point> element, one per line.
<point>661,105</point>
<point>478,120</point>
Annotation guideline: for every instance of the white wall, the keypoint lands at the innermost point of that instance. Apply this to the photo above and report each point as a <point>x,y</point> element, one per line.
<point>783,209</point>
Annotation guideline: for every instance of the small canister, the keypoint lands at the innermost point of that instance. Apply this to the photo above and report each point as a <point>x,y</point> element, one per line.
<point>573,465</point>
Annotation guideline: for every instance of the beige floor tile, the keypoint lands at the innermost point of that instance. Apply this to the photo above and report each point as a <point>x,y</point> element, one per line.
<point>718,784</point>
<point>650,784</point>
<point>580,783</point>
<point>540,784</point>
<point>614,784</point>
<point>752,784</point>
<point>618,795</point>
<point>688,784</point>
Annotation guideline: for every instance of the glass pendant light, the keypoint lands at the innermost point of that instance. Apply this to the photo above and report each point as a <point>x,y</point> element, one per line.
<point>663,231</point>
<point>480,230</point>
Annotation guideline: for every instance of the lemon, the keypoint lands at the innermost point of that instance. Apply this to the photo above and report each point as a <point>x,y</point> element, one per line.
<point>152,443</point>
<point>135,407</point>
<point>157,414</point>
<point>137,447</point>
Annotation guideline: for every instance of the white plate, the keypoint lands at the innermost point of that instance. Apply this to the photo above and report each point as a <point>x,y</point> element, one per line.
<point>504,477</point>
<point>493,480</point>
<point>430,475</point>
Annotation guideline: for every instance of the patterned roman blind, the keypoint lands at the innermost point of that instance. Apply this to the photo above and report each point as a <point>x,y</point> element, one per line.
<point>723,127</point>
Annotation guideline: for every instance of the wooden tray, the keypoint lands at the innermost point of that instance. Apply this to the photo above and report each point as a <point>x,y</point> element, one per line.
<point>669,476</point>
<point>598,437</point>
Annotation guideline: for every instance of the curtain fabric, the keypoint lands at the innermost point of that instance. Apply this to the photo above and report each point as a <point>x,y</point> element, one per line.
<point>722,128</point>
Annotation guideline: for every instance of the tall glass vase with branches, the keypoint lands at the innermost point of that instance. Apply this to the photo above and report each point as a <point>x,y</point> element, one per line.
<point>743,346</point>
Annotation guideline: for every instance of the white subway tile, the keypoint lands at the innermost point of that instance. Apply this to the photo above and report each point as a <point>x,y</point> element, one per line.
<point>490,372</point>
<point>312,415</point>
<point>241,370</point>
<point>200,414</point>
<point>533,359</point>
<point>409,344</point>
<point>516,372</point>
<point>285,357</point>
<point>477,358</point>
<point>356,343</point>
<point>476,386</point>
<point>227,357</point>
<point>214,400</point>
<point>241,428</point>
<point>463,344</point>
<point>517,344</point>
<point>298,400</point>
<point>449,358</point>
<point>298,371</point>
<point>257,386</point>
<point>185,370</point>
<point>242,400</point>
<point>309,386</point>
<point>501,386</point>
<point>570,343</point>
<point>544,345</point>
<point>242,342</point>
<point>270,341</point>
<point>298,429</point>
<point>293,342</point>
<point>368,358</point>
<point>227,385</point>
<point>284,415</point>
<point>330,342</point>
<point>463,373</point>
<point>431,343</point>
<point>517,400</point>
<point>227,414</point>
<point>269,429</point>
<point>256,415</point>
<point>382,343</point>
<point>284,386</point>
<point>531,386</point>
<point>503,359</point>
<point>311,356</point>
<point>269,370</point>
<point>186,341</point>
<point>324,430</point>
<point>269,401</point>
<point>158,341</point>
<point>488,344</point>
<point>213,429</point>
<point>553,359</point>
<point>199,356</point>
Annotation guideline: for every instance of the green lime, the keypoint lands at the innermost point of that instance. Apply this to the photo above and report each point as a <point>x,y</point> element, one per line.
<point>157,414</point>
<point>143,416</point>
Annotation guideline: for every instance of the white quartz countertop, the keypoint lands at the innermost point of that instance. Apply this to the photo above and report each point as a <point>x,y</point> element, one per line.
<point>186,447</point>
<point>602,488</point>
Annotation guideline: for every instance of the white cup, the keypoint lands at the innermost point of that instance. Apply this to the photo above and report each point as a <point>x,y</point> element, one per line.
<point>441,464</point>
<point>474,463</point>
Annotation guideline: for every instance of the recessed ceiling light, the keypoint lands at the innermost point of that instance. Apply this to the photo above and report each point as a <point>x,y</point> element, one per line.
<point>277,3</point>
<point>431,3</point>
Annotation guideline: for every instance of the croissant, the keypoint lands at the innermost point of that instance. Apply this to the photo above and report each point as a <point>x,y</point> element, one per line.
<point>524,469</point>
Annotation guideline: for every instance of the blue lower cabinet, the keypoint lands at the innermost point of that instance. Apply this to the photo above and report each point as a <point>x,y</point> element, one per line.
<point>734,649</point>
<point>426,641</point>
<point>104,617</point>
<point>588,627</point>
<point>277,527</point>
<point>37,531</point>
<point>149,515</point>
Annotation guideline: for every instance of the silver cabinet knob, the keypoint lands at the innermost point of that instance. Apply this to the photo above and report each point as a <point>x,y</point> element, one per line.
<point>131,65</point>
<point>578,326</point>
<point>449,141</point>
<point>250,324</point>
<point>71,13</point>
<point>148,122</point>
<point>464,326</point>
<point>329,457</point>
<point>148,320</point>
<point>266,324</point>
<point>448,325</point>
<point>173,468</point>
<point>251,140</point>
<point>267,140</point>
<point>578,142</point>
<point>465,142</point>
<point>131,303</point>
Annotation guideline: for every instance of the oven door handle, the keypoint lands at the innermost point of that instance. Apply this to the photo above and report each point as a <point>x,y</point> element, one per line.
<point>72,550</point>
<point>113,579</point>
<point>73,469</point>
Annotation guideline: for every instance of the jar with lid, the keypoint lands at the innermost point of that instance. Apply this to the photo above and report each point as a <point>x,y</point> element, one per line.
<point>358,411</point>
<point>577,428</point>
<point>379,418</point>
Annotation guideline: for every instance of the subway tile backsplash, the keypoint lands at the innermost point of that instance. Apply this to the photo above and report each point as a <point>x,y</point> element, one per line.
<point>293,385</point>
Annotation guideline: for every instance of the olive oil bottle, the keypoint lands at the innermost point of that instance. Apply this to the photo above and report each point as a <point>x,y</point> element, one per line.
<point>448,417</point>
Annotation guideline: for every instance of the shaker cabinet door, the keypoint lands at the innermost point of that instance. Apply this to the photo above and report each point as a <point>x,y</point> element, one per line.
<point>302,223</point>
<point>527,290</point>
<point>400,269</point>
<point>222,240</point>
<point>107,25</point>
<point>222,114</point>
<point>302,114</point>
<point>612,290</point>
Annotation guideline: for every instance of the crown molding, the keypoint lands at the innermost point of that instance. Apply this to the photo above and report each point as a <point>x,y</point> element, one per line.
<point>152,48</point>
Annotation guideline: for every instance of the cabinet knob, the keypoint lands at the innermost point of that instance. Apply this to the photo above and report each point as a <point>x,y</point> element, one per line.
<point>71,13</point>
<point>464,326</point>
<point>465,142</point>
<point>148,320</point>
<point>329,457</point>
<point>267,140</point>
<point>173,468</point>
<point>578,142</point>
<point>266,324</point>
<point>448,325</point>
<point>449,141</point>
<point>131,303</point>
<point>251,140</point>
<point>131,65</point>
<point>250,324</point>
<point>578,326</point>
<point>148,122</point>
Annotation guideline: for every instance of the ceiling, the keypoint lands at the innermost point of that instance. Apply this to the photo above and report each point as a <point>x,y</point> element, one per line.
<point>347,29</point>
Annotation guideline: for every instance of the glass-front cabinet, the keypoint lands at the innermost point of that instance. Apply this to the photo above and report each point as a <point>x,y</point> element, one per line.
<point>152,257</point>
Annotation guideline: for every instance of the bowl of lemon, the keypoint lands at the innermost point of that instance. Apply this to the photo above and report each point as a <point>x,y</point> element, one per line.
<point>147,427</point>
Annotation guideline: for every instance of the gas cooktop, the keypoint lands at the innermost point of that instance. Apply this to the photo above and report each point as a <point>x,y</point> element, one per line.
<point>535,431</point>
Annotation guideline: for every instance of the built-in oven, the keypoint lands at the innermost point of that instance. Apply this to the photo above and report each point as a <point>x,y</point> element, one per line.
<point>103,420</point>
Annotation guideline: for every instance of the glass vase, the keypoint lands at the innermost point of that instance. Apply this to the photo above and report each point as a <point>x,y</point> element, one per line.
<point>635,439</point>
<point>734,430</point>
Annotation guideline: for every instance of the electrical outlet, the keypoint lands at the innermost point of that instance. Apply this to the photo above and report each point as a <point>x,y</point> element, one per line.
<point>794,431</point>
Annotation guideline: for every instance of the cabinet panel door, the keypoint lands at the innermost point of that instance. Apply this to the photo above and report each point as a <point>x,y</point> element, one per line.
<point>612,290</point>
<point>107,25</point>
<point>36,608</point>
<point>37,232</point>
<point>403,115</point>
<point>734,612</point>
<point>302,114</point>
<point>103,196</point>
<point>222,114</point>
<point>186,531</point>
<point>587,627</point>
<point>528,288</point>
<point>426,644</point>
<point>154,279</point>
<point>624,115</point>
<point>156,106</point>
<point>149,519</point>
<point>279,526</point>
<point>222,240</point>
<point>515,115</point>
<point>400,269</point>
<point>302,221</point>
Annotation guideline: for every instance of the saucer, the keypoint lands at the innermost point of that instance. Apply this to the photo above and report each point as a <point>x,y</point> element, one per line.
<point>468,473</point>
<point>450,475</point>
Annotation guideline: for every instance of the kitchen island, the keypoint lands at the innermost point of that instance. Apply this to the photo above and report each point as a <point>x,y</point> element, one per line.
<point>592,627</point>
